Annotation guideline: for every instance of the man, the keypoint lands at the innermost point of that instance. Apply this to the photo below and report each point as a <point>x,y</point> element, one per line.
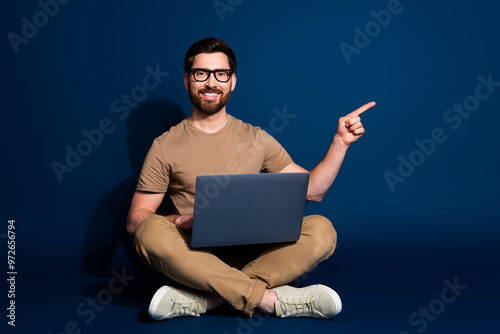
<point>211,141</point>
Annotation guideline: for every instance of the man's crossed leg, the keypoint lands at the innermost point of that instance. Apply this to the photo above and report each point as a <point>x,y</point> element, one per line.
<point>257,284</point>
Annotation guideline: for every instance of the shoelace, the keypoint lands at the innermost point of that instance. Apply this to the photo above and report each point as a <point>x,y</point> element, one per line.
<point>185,307</point>
<point>292,308</point>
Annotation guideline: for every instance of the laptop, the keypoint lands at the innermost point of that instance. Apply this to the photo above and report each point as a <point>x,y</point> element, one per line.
<point>243,209</point>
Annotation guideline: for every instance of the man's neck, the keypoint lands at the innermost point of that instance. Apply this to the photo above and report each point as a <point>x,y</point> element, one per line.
<point>209,123</point>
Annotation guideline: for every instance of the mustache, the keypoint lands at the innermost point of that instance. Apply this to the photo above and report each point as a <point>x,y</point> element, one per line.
<point>212,90</point>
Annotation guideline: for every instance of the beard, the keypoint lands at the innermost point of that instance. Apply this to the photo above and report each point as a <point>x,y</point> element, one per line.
<point>208,107</point>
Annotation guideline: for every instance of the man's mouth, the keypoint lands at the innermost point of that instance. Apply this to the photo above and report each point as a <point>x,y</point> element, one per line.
<point>210,95</point>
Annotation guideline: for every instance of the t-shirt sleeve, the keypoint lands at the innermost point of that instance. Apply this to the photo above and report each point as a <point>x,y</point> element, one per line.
<point>276,157</point>
<point>154,175</point>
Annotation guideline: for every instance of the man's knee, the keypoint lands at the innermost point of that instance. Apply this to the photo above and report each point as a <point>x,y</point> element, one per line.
<point>149,227</point>
<point>323,234</point>
<point>151,235</point>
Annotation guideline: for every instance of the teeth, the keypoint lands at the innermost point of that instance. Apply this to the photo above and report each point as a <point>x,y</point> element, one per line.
<point>211,94</point>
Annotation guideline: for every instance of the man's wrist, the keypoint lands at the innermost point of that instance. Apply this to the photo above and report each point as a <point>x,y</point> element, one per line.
<point>338,143</point>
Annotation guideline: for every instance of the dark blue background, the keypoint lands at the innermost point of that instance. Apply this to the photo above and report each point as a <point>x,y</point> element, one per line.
<point>396,248</point>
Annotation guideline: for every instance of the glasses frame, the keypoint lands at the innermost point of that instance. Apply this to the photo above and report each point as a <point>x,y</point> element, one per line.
<point>191,71</point>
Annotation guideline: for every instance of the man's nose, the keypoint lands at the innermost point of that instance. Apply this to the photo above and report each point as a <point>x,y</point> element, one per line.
<point>211,81</point>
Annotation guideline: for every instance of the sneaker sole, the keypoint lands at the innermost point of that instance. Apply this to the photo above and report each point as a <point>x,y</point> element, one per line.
<point>155,301</point>
<point>335,297</point>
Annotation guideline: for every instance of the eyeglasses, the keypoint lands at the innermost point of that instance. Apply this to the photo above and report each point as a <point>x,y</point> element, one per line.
<point>201,74</point>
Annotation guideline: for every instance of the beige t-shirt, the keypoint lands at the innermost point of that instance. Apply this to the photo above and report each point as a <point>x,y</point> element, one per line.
<point>184,152</point>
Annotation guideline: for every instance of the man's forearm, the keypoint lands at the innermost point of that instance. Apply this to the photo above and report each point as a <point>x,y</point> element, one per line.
<point>323,175</point>
<point>135,219</point>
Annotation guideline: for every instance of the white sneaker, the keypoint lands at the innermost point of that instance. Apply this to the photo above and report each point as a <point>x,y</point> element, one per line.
<point>315,301</point>
<point>168,303</point>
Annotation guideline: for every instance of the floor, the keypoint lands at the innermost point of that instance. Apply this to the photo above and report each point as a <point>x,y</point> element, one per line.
<point>390,288</point>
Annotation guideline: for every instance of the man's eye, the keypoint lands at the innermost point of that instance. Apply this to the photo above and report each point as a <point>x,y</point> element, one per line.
<point>222,74</point>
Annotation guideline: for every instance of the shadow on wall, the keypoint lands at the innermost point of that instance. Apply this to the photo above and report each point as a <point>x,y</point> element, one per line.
<point>107,241</point>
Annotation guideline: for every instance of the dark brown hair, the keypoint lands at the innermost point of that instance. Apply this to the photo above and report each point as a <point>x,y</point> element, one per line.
<point>209,45</point>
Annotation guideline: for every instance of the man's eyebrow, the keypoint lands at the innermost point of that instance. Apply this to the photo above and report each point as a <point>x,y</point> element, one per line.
<point>206,69</point>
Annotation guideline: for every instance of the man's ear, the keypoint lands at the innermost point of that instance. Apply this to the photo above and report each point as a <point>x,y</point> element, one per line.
<point>186,79</point>
<point>233,82</point>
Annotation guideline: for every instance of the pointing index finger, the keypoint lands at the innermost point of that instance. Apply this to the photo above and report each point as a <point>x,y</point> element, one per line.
<point>362,109</point>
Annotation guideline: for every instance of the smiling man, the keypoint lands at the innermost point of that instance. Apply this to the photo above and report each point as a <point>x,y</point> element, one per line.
<point>211,141</point>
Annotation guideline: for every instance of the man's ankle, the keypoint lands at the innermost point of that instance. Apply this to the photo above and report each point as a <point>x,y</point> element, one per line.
<point>213,301</point>
<point>267,303</point>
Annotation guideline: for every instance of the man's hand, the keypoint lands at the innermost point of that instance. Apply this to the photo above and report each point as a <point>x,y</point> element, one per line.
<point>185,222</point>
<point>350,127</point>
<point>322,176</point>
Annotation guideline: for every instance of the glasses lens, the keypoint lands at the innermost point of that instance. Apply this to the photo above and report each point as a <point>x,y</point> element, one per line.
<point>222,75</point>
<point>200,75</point>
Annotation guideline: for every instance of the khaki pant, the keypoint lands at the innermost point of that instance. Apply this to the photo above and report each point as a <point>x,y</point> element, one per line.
<point>238,274</point>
